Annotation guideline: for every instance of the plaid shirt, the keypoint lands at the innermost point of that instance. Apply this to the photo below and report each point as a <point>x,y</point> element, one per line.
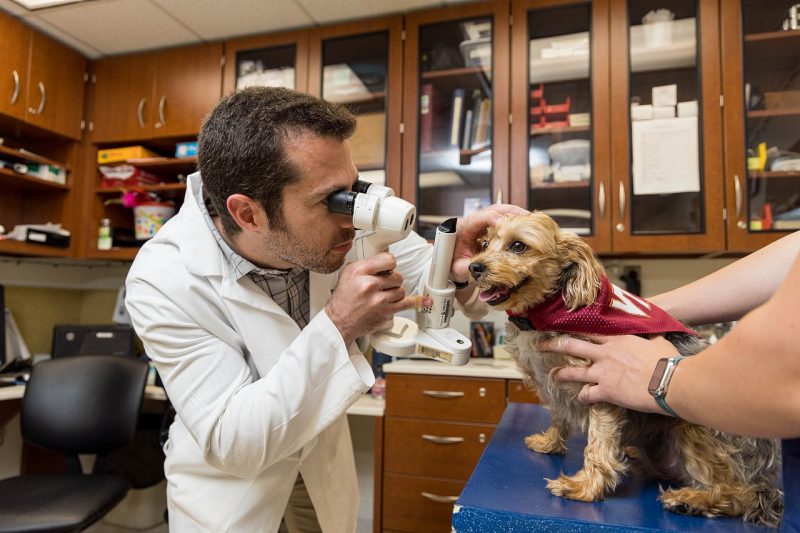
<point>288,288</point>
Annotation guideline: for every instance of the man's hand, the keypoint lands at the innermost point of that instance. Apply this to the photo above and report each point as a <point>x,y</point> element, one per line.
<point>621,369</point>
<point>469,229</point>
<point>368,294</point>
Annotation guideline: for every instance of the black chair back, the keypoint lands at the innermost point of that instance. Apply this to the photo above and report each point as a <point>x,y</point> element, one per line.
<point>83,405</point>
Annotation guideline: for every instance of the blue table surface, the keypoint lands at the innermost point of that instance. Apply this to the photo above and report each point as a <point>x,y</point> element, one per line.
<point>507,492</point>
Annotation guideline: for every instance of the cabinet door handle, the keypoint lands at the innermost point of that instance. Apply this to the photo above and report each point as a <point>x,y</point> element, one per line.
<point>140,112</point>
<point>162,104</point>
<point>498,199</point>
<point>620,225</point>
<point>438,498</point>
<point>15,94</point>
<point>443,440</point>
<point>601,200</point>
<point>443,394</point>
<point>737,187</point>
<point>42,100</point>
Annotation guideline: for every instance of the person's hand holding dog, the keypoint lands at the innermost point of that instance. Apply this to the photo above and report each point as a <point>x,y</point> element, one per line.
<point>622,366</point>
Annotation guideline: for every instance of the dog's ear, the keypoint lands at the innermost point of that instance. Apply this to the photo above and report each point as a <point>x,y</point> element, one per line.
<point>585,271</point>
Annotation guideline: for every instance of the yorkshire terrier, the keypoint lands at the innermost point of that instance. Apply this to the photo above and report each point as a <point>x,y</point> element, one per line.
<point>547,281</point>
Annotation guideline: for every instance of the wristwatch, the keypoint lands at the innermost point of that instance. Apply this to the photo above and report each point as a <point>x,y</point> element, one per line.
<point>460,284</point>
<point>660,381</point>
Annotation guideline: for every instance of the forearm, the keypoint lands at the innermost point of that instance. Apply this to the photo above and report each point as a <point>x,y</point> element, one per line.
<point>748,382</point>
<point>731,292</point>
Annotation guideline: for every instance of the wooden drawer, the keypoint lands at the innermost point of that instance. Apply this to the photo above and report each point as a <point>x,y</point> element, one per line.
<point>518,392</point>
<point>445,398</point>
<point>437,449</point>
<point>418,504</point>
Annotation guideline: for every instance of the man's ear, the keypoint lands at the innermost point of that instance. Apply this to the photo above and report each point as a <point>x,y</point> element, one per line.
<point>246,212</point>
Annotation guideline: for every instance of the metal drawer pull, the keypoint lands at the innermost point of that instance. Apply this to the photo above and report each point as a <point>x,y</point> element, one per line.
<point>601,201</point>
<point>162,117</point>
<point>438,498</point>
<point>443,394</point>
<point>443,440</point>
<point>139,111</point>
<point>42,100</point>
<point>15,94</point>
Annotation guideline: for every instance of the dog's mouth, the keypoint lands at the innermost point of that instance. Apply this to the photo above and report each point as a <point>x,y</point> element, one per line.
<point>500,293</point>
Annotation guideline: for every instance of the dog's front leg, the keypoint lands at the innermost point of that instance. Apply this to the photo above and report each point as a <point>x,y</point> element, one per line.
<point>603,458</point>
<point>551,440</point>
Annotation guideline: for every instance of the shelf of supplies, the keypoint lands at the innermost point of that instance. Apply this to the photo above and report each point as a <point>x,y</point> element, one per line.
<point>765,174</point>
<point>164,187</point>
<point>115,254</point>
<point>169,166</point>
<point>29,156</point>
<point>582,184</point>
<point>12,247</point>
<point>763,113</point>
<point>350,99</point>
<point>14,180</point>
<point>558,130</point>
<point>456,73</point>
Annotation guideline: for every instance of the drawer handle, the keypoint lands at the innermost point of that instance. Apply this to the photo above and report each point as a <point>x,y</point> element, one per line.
<point>443,440</point>
<point>438,498</point>
<point>443,394</point>
<point>15,95</point>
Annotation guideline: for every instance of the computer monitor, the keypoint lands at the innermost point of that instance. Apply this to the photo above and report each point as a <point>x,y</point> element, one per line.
<point>104,339</point>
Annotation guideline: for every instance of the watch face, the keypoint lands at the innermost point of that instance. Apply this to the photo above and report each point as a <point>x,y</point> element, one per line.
<point>658,373</point>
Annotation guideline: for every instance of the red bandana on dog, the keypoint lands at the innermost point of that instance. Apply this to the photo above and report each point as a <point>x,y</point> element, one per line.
<point>615,312</point>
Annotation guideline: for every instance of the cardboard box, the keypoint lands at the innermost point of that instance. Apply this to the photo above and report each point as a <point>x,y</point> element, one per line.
<point>687,109</point>
<point>665,95</point>
<point>368,144</point>
<point>117,155</point>
<point>46,172</point>
<point>782,100</point>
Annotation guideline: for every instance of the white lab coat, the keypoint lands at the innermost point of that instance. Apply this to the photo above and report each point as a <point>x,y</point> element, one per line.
<point>257,399</point>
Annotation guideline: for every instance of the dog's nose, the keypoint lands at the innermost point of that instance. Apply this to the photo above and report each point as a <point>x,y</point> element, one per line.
<point>476,269</point>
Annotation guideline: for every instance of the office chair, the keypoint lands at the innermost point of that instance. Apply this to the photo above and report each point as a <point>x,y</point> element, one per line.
<point>75,405</point>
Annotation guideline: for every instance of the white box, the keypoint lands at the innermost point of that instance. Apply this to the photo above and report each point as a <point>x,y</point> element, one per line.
<point>687,109</point>
<point>664,112</point>
<point>665,95</point>
<point>641,112</point>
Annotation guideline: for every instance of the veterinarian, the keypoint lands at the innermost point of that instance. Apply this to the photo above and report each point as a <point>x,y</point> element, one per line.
<point>237,304</point>
<point>747,383</point>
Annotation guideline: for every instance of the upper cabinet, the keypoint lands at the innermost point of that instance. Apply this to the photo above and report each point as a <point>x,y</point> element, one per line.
<point>359,65</point>
<point>455,118</point>
<point>559,100</point>
<point>156,94</point>
<point>666,130</point>
<point>761,44</point>
<point>42,80</point>
<point>276,60</point>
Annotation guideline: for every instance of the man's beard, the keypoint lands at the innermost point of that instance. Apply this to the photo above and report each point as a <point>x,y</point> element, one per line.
<point>291,249</point>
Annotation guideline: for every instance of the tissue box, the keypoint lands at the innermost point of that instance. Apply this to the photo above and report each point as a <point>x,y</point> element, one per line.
<point>641,112</point>
<point>187,149</point>
<point>116,155</point>
<point>665,95</point>
<point>47,172</point>
<point>687,109</point>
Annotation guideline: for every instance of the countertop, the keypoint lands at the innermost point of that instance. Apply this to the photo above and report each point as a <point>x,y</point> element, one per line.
<point>476,368</point>
<point>507,492</point>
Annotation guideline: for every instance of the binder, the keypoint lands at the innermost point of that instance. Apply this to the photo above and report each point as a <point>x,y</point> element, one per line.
<point>426,117</point>
<point>456,112</point>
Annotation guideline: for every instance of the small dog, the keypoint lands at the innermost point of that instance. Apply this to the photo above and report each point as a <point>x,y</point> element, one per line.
<point>527,263</point>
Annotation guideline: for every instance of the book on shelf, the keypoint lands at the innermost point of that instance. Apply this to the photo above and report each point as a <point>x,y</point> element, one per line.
<point>466,140</point>
<point>483,124</point>
<point>426,111</point>
<point>456,112</point>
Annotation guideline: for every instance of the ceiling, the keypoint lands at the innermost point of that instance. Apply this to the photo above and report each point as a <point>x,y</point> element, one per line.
<point>100,28</point>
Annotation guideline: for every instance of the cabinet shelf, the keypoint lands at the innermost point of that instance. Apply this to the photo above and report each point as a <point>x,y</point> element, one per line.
<point>12,247</point>
<point>582,184</point>
<point>115,254</point>
<point>772,174</point>
<point>762,113</point>
<point>166,165</point>
<point>351,99</point>
<point>455,73</point>
<point>164,187</point>
<point>11,179</point>
<point>30,156</point>
<point>558,130</point>
<point>771,36</point>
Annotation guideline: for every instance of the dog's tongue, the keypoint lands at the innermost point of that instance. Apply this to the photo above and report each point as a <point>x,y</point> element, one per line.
<point>493,294</point>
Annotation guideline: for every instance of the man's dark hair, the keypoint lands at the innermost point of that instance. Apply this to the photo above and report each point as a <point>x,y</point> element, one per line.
<point>241,146</point>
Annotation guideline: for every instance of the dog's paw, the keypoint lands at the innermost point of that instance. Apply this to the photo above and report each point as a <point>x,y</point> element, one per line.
<point>545,443</point>
<point>576,487</point>
<point>697,502</point>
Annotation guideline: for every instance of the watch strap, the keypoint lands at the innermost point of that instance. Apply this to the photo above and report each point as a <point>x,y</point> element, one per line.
<point>669,371</point>
<point>460,284</point>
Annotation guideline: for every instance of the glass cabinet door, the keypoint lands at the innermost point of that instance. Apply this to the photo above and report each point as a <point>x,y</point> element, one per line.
<point>764,157</point>
<point>452,169</point>
<point>359,67</point>
<point>277,60</point>
<point>562,106</point>
<point>667,154</point>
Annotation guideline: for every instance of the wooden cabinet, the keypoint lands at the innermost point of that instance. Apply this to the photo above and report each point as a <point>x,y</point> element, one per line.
<point>42,80</point>
<point>592,146</point>
<point>455,118</point>
<point>762,108</point>
<point>276,60</point>
<point>435,429</point>
<point>359,65</point>
<point>156,94</point>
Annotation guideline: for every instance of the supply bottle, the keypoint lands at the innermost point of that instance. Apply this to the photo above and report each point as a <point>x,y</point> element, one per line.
<point>104,235</point>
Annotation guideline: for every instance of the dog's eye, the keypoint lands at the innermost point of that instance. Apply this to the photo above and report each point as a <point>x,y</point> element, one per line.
<point>484,244</point>
<point>517,247</point>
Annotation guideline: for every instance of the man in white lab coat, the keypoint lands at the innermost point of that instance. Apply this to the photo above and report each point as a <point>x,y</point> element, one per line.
<point>244,305</point>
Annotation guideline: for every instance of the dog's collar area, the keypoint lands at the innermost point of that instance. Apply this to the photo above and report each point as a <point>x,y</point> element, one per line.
<point>522,322</point>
